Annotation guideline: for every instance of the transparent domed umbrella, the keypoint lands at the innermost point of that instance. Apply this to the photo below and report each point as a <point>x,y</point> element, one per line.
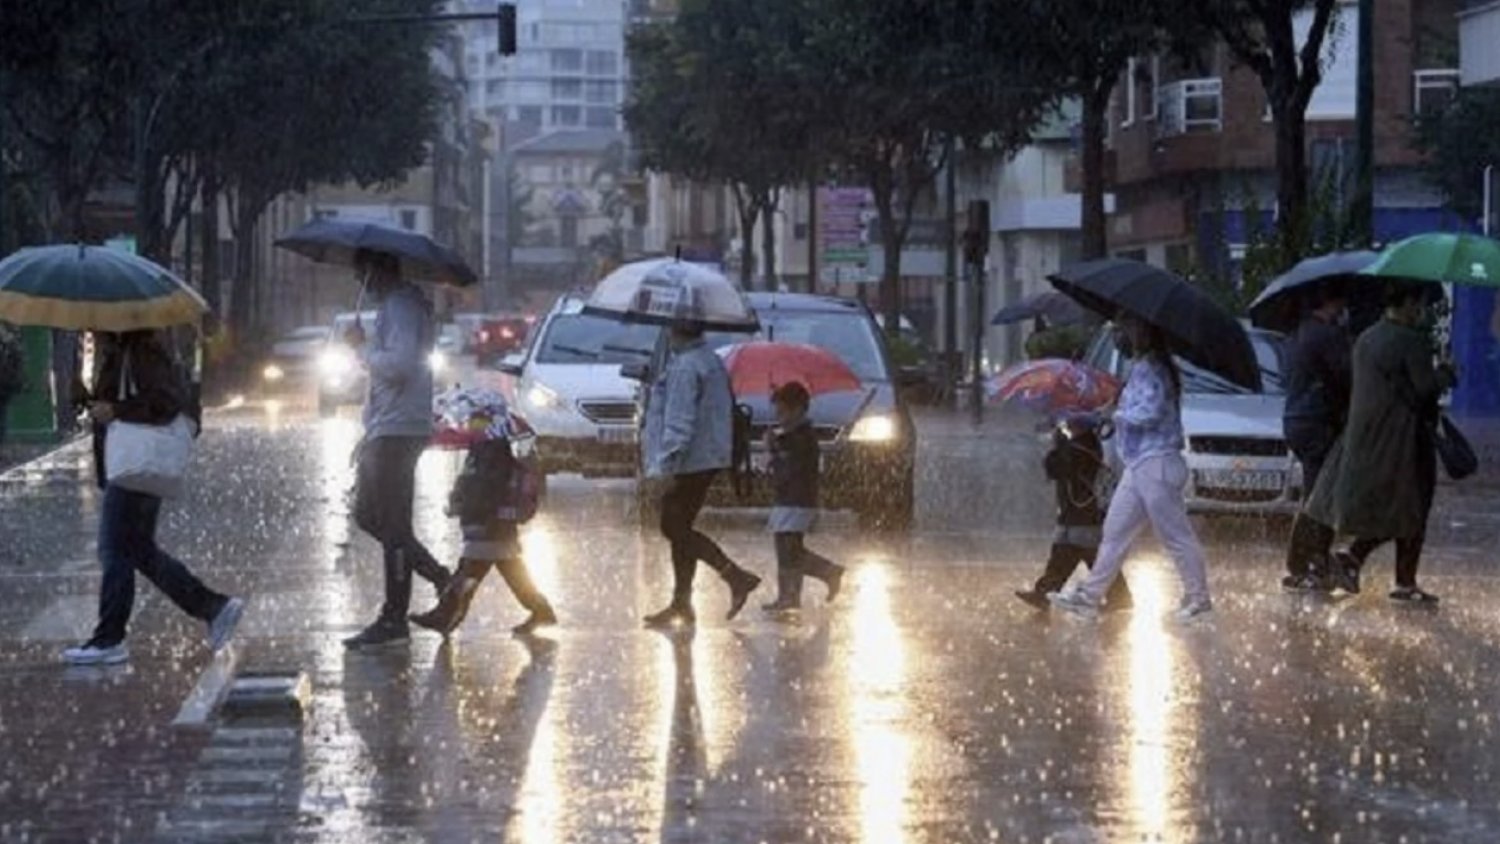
<point>92,288</point>
<point>667,291</point>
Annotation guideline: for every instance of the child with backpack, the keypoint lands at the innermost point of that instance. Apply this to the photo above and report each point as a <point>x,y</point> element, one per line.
<point>495,493</point>
<point>793,444</point>
<point>1073,465</point>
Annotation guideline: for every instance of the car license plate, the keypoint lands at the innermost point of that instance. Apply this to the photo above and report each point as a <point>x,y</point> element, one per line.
<point>1236,479</point>
<point>617,436</point>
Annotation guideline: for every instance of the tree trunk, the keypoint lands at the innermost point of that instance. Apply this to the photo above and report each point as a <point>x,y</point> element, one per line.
<point>1095,239</point>
<point>1291,182</point>
<point>892,238</point>
<point>209,234</point>
<point>749,211</point>
<point>768,239</point>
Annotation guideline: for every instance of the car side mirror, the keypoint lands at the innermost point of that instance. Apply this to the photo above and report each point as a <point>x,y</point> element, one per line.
<point>512,364</point>
<point>636,371</point>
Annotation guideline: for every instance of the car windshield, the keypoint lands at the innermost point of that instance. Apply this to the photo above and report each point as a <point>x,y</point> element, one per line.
<point>850,335</point>
<point>581,338</point>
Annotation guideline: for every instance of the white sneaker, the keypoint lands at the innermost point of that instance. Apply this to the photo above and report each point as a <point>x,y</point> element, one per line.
<point>1075,602</point>
<point>1194,609</point>
<point>95,654</point>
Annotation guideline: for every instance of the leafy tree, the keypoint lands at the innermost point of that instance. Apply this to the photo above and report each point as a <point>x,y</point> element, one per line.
<point>1460,142</point>
<point>1261,35</point>
<point>607,180</point>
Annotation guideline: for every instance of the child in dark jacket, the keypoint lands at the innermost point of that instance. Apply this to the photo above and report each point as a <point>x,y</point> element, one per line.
<point>794,477</point>
<point>1073,466</point>
<point>480,499</point>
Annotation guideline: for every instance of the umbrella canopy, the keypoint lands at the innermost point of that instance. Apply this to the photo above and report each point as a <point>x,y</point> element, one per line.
<point>1054,386</point>
<point>758,368</point>
<point>1441,258</point>
<point>667,291</point>
<point>335,241</point>
<point>1196,327</point>
<point>1054,307</point>
<point>465,416</point>
<point>91,288</point>
<point>1279,307</point>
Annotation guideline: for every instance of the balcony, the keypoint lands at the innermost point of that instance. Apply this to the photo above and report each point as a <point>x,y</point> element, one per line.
<point>1478,33</point>
<point>1433,91</point>
<point>1190,106</point>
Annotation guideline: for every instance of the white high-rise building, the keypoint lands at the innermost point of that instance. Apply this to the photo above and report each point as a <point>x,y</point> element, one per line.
<point>568,72</point>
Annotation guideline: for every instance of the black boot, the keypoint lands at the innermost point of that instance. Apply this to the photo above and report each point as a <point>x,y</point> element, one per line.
<point>676,614</point>
<point>453,603</point>
<point>788,591</point>
<point>741,584</point>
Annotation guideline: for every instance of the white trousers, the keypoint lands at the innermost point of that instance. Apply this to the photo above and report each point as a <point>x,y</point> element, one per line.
<point>1151,491</point>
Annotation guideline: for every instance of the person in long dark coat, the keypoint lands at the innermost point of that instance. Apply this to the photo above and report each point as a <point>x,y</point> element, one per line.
<point>1378,481</point>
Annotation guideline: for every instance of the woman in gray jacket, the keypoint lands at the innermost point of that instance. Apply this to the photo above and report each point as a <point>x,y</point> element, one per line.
<point>689,440</point>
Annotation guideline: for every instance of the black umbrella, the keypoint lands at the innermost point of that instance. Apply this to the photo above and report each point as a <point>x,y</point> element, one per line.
<point>1279,307</point>
<point>335,241</point>
<point>1051,306</point>
<point>1199,330</point>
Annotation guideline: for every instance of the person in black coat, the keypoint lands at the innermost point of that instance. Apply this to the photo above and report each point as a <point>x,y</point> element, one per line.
<point>1072,464</point>
<point>482,501</point>
<point>795,459</point>
<point>139,382</point>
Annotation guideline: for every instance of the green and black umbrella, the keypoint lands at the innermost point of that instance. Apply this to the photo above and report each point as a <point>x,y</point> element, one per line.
<point>1441,258</point>
<point>92,288</point>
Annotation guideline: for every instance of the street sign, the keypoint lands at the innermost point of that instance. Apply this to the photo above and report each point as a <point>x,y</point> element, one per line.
<point>843,219</point>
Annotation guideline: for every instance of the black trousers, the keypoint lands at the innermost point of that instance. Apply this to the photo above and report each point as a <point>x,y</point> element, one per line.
<point>794,562</point>
<point>1061,563</point>
<point>385,485</point>
<point>681,503</point>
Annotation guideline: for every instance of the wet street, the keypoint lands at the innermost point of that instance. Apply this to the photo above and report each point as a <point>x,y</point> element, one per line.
<point>926,705</point>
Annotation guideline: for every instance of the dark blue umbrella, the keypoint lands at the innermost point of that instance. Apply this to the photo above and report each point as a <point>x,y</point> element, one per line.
<point>1279,307</point>
<point>335,241</point>
<point>1198,329</point>
<point>1054,307</point>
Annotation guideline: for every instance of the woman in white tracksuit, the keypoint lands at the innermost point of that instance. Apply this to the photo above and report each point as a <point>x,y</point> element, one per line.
<point>1149,439</point>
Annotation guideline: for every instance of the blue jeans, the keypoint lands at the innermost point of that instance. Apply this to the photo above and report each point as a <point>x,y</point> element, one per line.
<point>127,544</point>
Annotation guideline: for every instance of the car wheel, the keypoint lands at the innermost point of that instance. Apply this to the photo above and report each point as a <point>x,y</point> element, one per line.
<point>893,512</point>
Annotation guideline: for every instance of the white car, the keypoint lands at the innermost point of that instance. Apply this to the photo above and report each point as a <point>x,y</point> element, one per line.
<point>569,388</point>
<point>294,355</point>
<point>1237,455</point>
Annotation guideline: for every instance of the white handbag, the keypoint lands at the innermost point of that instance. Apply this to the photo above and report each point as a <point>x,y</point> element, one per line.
<point>152,459</point>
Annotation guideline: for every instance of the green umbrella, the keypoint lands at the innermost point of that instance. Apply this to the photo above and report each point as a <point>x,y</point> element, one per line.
<point>93,288</point>
<point>1441,258</point>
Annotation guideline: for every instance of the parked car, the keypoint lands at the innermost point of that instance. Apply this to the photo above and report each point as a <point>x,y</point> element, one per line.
<point>498,336</point>
<point>867,438</point>
<point>569,388</point>
<point>1238,459</point>
<point>294,357</point>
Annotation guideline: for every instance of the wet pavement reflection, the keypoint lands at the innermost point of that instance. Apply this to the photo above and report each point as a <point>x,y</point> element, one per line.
<point>926,705</point>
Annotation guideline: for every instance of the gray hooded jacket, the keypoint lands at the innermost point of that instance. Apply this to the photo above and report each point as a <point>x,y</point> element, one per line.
<point>399,403</point>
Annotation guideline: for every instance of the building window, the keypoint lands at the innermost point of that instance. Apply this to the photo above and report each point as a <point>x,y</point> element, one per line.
<point>1145,78</point>
<point>529,115</point>
<point>565,173</point>
<point>602,118</point>
<point>494,86</point>
<point>408,219</point>
<point>603,63</point>
<point>1433,91</point>
<point>569,238</point>
<point>567,115</point>
<point>567,61</point>
<point>596,91</point>
<point>567,89</point>
<point>325,214</point>
<point>1191,105</point>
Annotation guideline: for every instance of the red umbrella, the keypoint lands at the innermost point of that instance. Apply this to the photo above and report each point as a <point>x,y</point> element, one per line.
<point>758,368</point>
<point>1054,386</point>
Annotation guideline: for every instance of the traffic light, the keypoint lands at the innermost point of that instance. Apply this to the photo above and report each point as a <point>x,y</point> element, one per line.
<point>507,20</point>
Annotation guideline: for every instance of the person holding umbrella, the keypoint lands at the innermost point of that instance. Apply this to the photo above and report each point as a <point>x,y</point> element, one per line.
<point>1149,437</point>
<point>144,421</point>
<point>398,424</point>
<point>1317,403</point>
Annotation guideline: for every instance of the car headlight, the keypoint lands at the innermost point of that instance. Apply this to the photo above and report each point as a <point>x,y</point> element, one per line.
<point>272,372</point>
<point>336,362</point>
<point>437,361</point>
<point>878,428</point>
<point>539,396</point>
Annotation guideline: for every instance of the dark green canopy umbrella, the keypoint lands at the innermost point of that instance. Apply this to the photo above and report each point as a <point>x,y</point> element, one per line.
<point>1441,258</point>
<point>91,288</point>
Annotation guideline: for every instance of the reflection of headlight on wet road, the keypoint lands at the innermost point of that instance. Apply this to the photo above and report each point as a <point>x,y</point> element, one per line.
<point>334,363</point>
<point>272,372</point>
<point>437,362</point>
<point>541,397</point>
<point>874,429</point>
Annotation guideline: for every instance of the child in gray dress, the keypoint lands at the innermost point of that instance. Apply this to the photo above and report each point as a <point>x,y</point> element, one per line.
<point>793,444</point>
